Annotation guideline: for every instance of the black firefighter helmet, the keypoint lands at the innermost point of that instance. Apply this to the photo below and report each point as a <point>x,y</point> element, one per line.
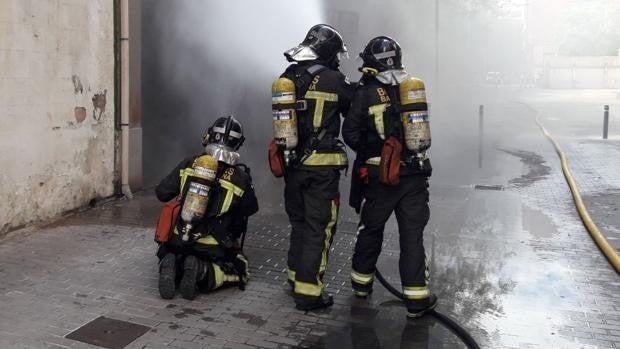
<point>322,42</point>
<point>225,131</point>
<point>382,53</point>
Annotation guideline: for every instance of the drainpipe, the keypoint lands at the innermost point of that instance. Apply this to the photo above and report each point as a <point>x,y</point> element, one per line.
<point>117,103</point>
<point>124,97</point>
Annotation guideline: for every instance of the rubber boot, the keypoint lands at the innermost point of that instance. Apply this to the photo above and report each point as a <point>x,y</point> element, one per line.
<point>419,308</point>
<point>306,303</point>
<point>167,276</point>
<point>190,276</point>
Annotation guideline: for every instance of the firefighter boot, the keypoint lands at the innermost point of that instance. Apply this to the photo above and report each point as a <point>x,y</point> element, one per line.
<point>419,308</point>
<point>193,271</point>
<point>291,284</point>
<point>242,268</point>
<point>306,303</point>
<point>167,276</point>
<point>361,291</point>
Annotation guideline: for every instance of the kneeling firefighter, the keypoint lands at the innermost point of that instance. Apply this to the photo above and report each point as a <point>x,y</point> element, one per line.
<point>388,128</point>
<point>308,100</point>
<point>200,231</point>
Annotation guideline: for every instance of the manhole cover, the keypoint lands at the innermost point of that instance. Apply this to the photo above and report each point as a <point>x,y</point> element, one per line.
<point>488,187</point>
<point>108,333</point>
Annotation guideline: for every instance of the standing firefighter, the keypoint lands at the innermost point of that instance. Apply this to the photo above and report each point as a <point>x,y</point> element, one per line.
<point>308,99</point>
<point>214,199</point>
<point>388,128</point>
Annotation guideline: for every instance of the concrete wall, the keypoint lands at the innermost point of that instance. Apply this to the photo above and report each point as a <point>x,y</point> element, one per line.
<point>56,107</point>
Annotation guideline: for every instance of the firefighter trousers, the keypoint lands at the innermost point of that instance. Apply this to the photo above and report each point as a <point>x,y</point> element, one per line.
<point>311,201</point>
<point>222,267</point>
<point>409,201</point>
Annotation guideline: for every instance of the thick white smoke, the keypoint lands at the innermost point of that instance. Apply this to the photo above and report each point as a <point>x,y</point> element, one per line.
<point>210,59</point>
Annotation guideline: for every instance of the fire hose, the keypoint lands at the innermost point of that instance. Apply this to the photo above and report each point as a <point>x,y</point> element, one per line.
<point>450,324</point>
<point>608,250</point>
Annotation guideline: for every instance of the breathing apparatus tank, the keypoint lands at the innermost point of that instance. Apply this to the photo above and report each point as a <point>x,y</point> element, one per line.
<point>284,110</point>
<point>199,184</point>
<point>415,122</point>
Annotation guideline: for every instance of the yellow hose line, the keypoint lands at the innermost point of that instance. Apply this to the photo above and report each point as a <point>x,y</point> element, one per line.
<point>608,250</point>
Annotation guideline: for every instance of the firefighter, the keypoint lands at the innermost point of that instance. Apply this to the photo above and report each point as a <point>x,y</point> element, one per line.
<point>209,255</point>
<point>388,124</point>
<point>314,162</point>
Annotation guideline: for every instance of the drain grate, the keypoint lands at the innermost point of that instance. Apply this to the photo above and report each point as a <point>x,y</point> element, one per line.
<point>488,187</point>
<point>108,333</point>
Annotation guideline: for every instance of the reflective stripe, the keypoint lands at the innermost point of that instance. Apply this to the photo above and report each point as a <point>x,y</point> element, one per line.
<point>308,289</point>
<point>227,202</point>
<point>234,134</point>
<point>377,111</point>
<point>184,173</point>
<point>231,278</point>
<point>328,236</point>
<point>208,240</point>
<point>230,186</point>
<point>374,161</point>
<point>219,276</point>
<point>231,190</point>
<point>377,160</point>
<point>291,274</point>
<point>321,98</point>
<point>326,159</point>
<point>384,55</point>
<point>416,292</point>
<point>363,279</point>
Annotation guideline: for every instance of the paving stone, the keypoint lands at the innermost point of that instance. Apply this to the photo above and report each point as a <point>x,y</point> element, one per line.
<point>102,262</point>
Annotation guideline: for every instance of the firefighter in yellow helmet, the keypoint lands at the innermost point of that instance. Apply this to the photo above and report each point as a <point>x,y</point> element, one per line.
<point>216,197</point>
<point>388,128</point>
<point>308,101</point>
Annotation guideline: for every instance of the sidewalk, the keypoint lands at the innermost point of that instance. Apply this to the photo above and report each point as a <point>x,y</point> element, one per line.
<point>515,266</point>
<point>59,277</point>
<point>575,118</point>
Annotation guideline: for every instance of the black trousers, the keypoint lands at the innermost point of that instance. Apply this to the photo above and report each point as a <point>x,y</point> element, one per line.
<point>311,199</point>
<point>185,248</point>
<point>409,201</point>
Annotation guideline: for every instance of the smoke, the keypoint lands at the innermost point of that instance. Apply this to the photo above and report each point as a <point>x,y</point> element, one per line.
<point>206,59</point>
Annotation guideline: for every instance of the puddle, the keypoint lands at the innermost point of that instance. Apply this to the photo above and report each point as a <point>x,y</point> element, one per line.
<point>536,168</point>
<point>537,223</point>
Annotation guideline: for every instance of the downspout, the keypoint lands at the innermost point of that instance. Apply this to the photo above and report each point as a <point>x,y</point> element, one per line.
<point>124,97</point>
<point>117,102</point>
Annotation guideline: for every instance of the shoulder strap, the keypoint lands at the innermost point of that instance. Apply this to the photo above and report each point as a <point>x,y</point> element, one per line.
<point>304,77</point>
<point>315,69</point>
